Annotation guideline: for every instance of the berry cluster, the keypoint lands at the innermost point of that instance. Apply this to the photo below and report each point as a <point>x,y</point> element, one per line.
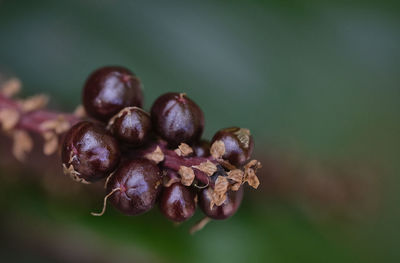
<point>157,157</point>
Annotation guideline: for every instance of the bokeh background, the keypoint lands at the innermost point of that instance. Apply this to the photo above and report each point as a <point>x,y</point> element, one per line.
<point>317,83</point>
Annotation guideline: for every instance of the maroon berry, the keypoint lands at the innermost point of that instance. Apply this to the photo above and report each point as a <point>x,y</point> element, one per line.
<point>177,202</point>
<point>201,148</point>
<point>238,144</point>
<point>131,125</point>
<point>227,209</point>
<point>110,89</point>
<point>177,119</point>
<point>89,152</point>
<point>138,182</point>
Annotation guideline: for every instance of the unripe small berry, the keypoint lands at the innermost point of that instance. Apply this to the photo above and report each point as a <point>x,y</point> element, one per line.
<point>131,125</point>
<point>177,202</point>
<point>138,182</point>
<point>177,119</point>
<point>238,143</point>
<point>227,209</point>
<point>89,152</point>
<point>110,89</point>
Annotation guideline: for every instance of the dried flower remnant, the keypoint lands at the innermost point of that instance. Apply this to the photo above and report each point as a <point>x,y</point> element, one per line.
<point>9,118</point>
<point>217,149</point>
<point>59,125</point>
<point>236,176</point>
<point>71,172</point>
<point>250,173</point>
<point>34,103</point>
<point>218,195</point>
<point>206,167</point>
<point>156,156</point>
<point>80,112</point>
<point>183,150</point>
<point>51,143</point>
<point>11,87</point>
<point>187,175</point>
<point>23,144</point>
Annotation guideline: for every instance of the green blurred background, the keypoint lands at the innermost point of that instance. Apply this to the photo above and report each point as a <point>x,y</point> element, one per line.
<point>317,82</point>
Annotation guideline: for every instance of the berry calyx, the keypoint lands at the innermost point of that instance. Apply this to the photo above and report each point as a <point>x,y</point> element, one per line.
<point>110,89</point>
<point>131,125</point>
<point>89,152</point>
<point>177,119</point>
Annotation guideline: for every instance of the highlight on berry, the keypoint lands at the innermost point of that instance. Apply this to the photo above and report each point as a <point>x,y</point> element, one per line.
<point>145,158</point>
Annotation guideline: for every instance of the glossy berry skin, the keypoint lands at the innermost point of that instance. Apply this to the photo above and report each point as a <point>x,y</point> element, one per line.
<point>177,202</point>
<point>177,119</point>
<point>201,148</point>
<point>110,89</point>
<point>89,152</point>
<point>139,182</point>
<point>131,125</point>
<point>238,143</point>
<point>227,209</point>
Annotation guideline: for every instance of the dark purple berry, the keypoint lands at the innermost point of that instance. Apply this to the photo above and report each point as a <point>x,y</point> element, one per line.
<point>138,182</point>
<point>201,148</point>
<point>131,125</point>
<point>110,89</point>
<point>177,202</point>
<point>238,144</point>
<point>177,119</point>
<point>227,209</point>
<point>89,152</point>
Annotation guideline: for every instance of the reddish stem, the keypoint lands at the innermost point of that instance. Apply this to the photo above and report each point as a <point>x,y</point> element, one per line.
<point>31,121</point>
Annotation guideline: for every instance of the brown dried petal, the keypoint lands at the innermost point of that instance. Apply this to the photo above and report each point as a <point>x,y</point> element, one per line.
<point>207,167</point>
<point>252,179</point>
<point>236,186</point>
<point>156,156</point>
<point>11,87</point>
<point>80,112</point>
<point>34,103</point>
<point>70,171</point>
<point>236,175</point>
<point>250,173</point>
<point>217,199</point>
<point>244,136</point>
<point>217,149</point>
<point>210,194</point>
<point>253,164</point>
<point>51,143</point>
<point>63,125</point>
<point>23,144</point>
<point>9,118</point>
<point>59,125</point>
<point>184,149</point>
<point>221,187</point>
<point>187,175</point>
